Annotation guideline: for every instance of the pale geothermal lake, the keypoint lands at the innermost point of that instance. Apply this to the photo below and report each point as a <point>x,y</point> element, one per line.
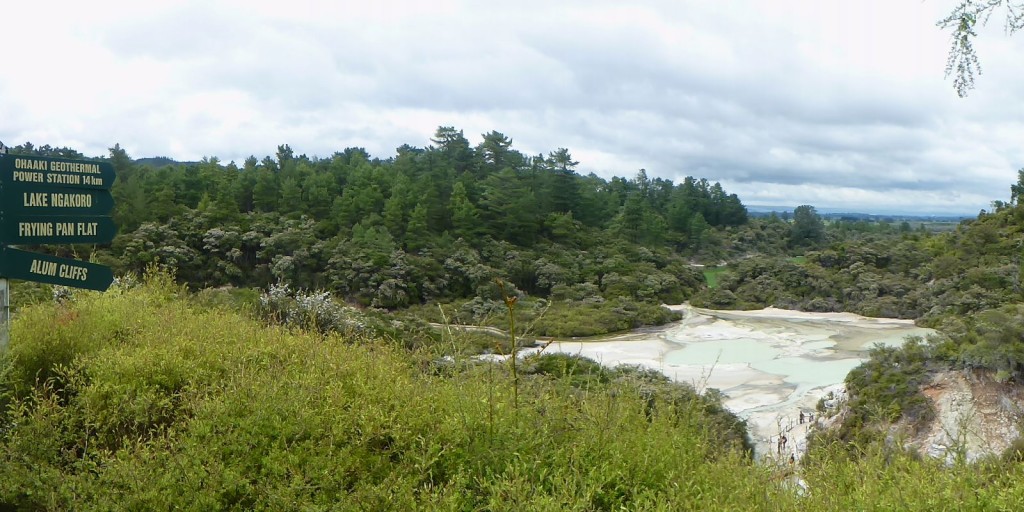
<point>769,363</point>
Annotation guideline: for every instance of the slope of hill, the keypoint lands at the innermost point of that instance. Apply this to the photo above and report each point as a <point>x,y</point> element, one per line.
<point>975,416</point>
<point>142,399</point>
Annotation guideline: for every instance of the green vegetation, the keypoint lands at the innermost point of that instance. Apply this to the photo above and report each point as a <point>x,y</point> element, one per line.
<point>539,317</point>
<point>138,399</point>
<point>963,62</point>
<point>930,277</point>
<point>965,283</point>
<point>427,225</point>
<point>712,275</point>
<point>807,228</point>
<point>141,399</point>
<point>365,393</point>
<point>885,389</point>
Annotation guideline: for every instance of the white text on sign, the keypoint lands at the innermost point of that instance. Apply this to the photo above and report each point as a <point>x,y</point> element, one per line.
<point>56,178</point>
<point>62,270</point>
<point>29,229</point>
<point>56,199</point>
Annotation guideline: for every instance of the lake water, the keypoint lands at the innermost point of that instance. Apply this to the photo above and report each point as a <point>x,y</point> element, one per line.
<point>771,364</point>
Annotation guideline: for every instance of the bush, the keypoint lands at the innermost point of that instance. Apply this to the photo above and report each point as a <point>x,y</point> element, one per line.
<point>165,406</point>
<point>886,388</point>
<point>577,319</point>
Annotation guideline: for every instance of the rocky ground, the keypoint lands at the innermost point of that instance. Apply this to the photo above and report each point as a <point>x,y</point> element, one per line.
<point>975,416</point>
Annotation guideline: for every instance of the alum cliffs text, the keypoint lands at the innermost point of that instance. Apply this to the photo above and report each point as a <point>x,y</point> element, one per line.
<point>63,270</point>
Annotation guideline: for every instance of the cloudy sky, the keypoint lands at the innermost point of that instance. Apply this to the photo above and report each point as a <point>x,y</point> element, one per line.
<point>834,103</point>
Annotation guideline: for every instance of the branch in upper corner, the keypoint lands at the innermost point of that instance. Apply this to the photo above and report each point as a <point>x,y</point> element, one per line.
<point>963,63</point>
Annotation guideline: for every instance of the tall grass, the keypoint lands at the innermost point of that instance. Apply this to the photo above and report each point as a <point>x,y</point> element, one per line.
<point>712,275</point>
<point>138,400</point>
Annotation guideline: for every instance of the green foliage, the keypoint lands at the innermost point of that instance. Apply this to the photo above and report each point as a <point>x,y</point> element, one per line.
<point>887,387</point>
<point>808,228</point>
<point>167,406</point>
<point>711,276</point>
<point>434,223</point>
<point>595,318</point>
<point>885,479</point>
<point>962,62</point>
<point>875,272</point>
<point>992,340</point>
<point>884,389</point>
<point>567,318</point>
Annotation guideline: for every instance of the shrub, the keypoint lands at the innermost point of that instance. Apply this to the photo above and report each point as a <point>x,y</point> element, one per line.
<point>167,406</point>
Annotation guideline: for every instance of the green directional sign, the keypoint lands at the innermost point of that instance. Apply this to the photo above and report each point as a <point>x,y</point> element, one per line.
<point>29,199</point>
<point>56,229</point>
<point>46,200</point>
<point>59,172</point>
<point>43,268</point>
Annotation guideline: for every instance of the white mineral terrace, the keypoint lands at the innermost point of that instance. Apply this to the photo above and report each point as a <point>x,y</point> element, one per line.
<point>771,364</point>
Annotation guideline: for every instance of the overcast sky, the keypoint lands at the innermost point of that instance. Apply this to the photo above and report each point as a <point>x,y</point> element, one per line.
<point>838,104</point>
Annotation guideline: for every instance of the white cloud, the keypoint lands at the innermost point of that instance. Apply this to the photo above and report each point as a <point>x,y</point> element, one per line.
<point>794,101</point>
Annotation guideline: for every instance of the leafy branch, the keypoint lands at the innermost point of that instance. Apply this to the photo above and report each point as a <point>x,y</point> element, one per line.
<point>963,63</point>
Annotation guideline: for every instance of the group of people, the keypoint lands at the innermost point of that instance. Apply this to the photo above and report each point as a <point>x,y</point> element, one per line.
<point>809,417</point>
<point>782,443</point>
<point>780,447</point>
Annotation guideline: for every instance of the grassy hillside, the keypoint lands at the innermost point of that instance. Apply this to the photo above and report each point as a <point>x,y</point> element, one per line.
<point>136,399</point>
<point>139,399</point>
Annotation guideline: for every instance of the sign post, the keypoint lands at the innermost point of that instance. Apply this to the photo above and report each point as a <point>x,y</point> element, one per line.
<point>58,172</point>
<point>56,229</point>
<point>45,200</point>
<point>43,268</point>
<point>5,315</point>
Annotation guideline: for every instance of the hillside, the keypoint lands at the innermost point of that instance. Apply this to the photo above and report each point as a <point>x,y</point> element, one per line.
<point>974,413</point>
<point>143,399</point>
<point>147,397</point>
<point>166,394</point>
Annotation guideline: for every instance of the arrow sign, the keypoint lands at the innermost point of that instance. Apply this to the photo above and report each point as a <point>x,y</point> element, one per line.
<point>62,172</point>
<point>63,229</point>
<point>44,268</point>
<point>28,199</point>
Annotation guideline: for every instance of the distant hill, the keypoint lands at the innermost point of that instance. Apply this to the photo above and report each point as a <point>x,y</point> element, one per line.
<point>838,213</point>
<point>160,161</point>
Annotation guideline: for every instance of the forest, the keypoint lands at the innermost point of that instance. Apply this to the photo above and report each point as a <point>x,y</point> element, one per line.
<point>429,224</point>
<point>586,255</point>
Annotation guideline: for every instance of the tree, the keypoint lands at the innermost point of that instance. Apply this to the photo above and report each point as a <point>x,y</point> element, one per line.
<point>454,148</point>
<point>495,150</point>
<point>563,187</point>
<point>807,229</point>
<point>465,216</point>
<point>1017,189</point>
<point>963,62</point>
<point>417,233</point>
<point>266,191</point>
<point>510,208</point>
<point>291,196</point>
<point>697,230</point>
